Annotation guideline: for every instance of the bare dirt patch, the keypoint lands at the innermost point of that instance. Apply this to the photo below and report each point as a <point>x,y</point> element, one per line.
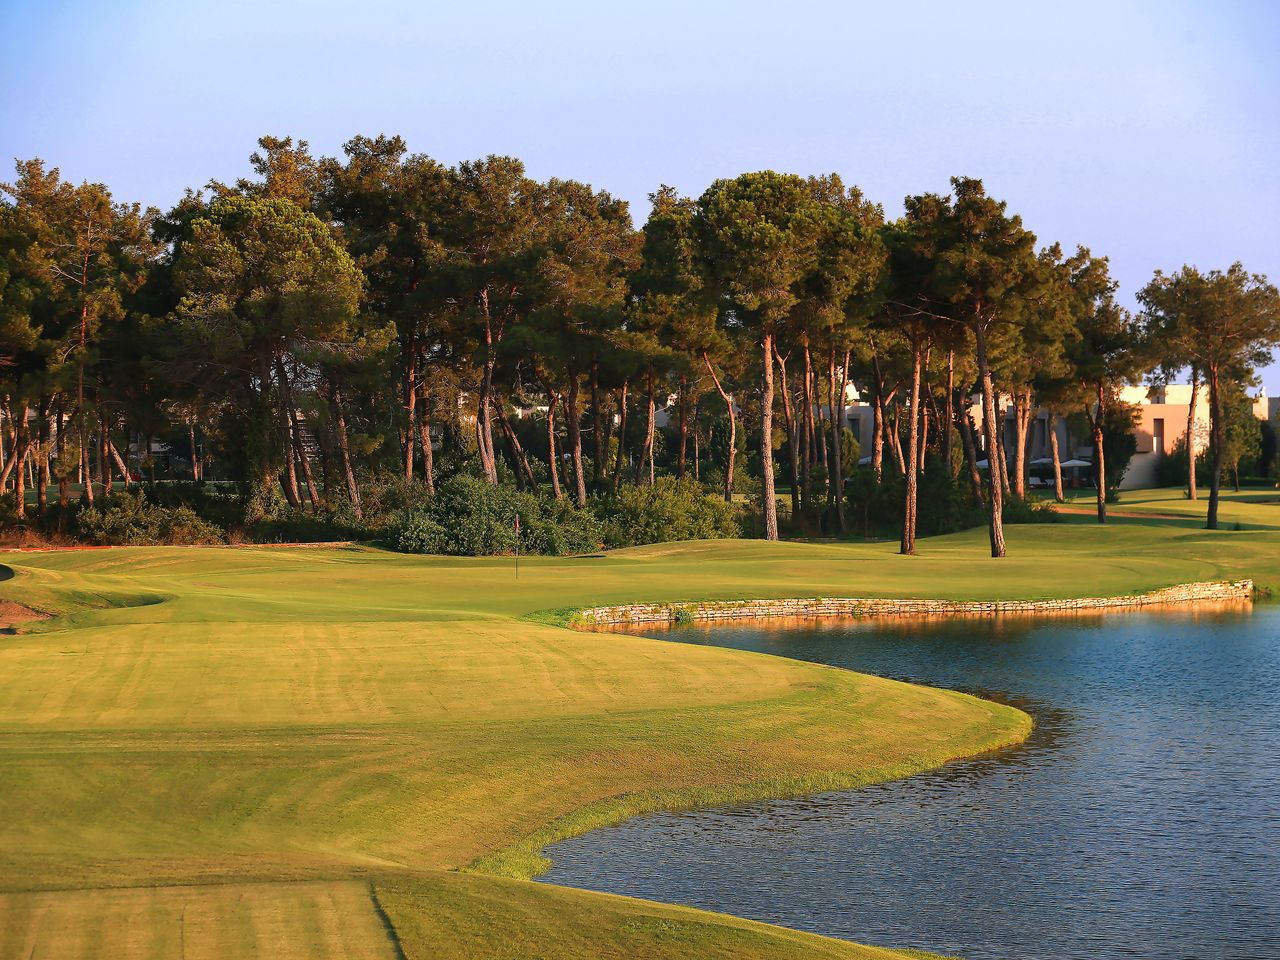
<point>12,614</point>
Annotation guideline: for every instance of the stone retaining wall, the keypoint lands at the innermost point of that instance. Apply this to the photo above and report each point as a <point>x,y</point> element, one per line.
<point>1216,591</point>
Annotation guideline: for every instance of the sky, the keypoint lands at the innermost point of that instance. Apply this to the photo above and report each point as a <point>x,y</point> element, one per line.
<point>1147,131</point>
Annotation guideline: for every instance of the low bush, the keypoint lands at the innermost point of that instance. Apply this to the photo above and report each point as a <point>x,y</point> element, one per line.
<point>218,503</point>
<point>946,504</point>
<point>128,519</point>
<point>418,533</point>
<point>670,509</point>
<point>470,517</point>
<point>300,525</point>
<point>1030,511</point>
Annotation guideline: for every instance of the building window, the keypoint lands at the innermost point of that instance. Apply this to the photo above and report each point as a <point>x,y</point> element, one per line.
<point>1157,435</point>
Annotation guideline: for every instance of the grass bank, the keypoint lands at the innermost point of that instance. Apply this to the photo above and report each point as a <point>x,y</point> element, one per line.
<point>293,753</point>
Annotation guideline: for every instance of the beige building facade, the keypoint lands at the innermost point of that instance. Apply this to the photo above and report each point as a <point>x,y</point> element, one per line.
<point>1162,422</point>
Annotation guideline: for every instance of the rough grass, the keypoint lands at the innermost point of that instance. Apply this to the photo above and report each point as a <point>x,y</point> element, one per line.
<point>345,717</point>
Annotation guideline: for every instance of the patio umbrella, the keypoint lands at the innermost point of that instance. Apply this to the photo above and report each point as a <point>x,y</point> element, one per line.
<point>1076,463</point>
<point>983,464</point>
<point>1041,461</point>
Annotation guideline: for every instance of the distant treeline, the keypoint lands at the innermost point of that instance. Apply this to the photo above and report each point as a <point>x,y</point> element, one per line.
<point>337,323</point>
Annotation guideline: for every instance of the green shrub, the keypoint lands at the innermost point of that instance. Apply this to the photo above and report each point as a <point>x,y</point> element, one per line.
<point>418,533</point>
<point>671,509</point>
<point>127,519</point>
<point>562,529</point>
<point>470,517</point>
<point>302,525</point>
<point>219,503</point>
<point>945,504</point>
<point>1029,511</point>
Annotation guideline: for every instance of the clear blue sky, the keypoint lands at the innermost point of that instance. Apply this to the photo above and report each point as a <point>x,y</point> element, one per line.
<point>1147,130</point>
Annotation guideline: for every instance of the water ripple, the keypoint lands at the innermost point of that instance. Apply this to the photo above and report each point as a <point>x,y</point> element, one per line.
<point>1141,819</point>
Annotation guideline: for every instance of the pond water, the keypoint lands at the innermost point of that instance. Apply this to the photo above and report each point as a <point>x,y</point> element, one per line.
<point>1141,819</point>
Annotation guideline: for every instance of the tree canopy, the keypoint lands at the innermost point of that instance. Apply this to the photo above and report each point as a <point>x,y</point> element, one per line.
<point>332,335</point>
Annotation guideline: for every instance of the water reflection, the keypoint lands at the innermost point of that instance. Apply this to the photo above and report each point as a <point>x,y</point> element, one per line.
<point>1139,820</point>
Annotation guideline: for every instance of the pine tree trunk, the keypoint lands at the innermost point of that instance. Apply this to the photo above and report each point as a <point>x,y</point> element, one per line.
<point>552,459</point>
<point>835,476</point>
<point>1000,463</point>
<point>1100,461</point>
<point>42,470</point>
<point>697,450</point>
<point>908,545</point>
<point>683,443</point>
<point>1216,446</point>
<point>86,476</point>
<point>819,432</point>
<point>948,452</point>
<point>806,434</point>
<point>295,435</point>
<point>300,449</point>
<point>620,458</point>
<point>20,478</point>
<point>965,425</point>
<point>769,503</point>
<point>122,466</point>
<point>924,428</point>
<point>104,465</point>
<point>5,445</point>
<point>733,430</point>
<point>789,421</point>
<point>1058,493</point>
<point>877,431</point>
<point>424,439</point>
<point>524,470</point>
<point>1021,423</point>
<point>344,453</point>
<point>64,475</point>
<point>410,403</point>
<point>650,430</point>
<point>191,440</point>
<point>644,466</point>
<point>15,448</point>
<point>484,428</point>
<point>895,439</point>
<point>991,429</point>
<point>1191,434</point>
<point>290,467</point>
<point>18,461</point>
<point>601,445</point>
<point>573,423</point>
<point>1099,455</point>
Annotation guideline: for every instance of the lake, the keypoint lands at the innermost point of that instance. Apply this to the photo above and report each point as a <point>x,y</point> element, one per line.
<point>1141,819</point>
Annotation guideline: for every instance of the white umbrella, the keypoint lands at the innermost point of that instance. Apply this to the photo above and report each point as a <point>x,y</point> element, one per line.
<point>1076,463</point>
<point>1041,461</point>
<point>865,460</point>
<point>983,464</point>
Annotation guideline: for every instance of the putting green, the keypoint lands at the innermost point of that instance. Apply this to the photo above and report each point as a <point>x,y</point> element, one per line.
<point>267,752</point>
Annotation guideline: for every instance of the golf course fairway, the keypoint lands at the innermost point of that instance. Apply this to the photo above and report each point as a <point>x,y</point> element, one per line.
<point>345,752</point>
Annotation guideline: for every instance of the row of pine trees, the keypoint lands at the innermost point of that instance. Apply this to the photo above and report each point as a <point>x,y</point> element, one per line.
<point>353,309</point>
